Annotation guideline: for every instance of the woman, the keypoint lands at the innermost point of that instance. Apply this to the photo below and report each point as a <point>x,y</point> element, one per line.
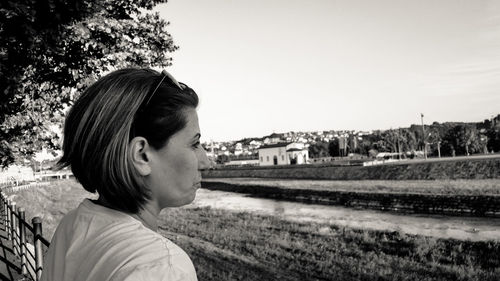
<point>133,137</point>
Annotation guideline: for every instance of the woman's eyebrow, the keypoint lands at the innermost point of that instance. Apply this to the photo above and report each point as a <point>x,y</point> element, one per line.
<point>197,136</point>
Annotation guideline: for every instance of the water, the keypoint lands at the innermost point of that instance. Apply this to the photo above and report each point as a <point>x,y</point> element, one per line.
<point>463,228</point>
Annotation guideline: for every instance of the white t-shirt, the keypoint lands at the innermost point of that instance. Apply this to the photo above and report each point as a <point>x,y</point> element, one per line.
<point>93,242</point>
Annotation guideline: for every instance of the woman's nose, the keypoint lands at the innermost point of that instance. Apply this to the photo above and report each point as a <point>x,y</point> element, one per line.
<point>204,162</point>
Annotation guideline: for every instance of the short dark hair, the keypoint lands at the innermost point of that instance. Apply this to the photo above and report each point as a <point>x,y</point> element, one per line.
<point>107,115</point>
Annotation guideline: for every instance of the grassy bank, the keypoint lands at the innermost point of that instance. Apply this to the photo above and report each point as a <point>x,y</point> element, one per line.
<point>244,246</point>
<point>432,187</point>
<point>464,168</point>
<point>51,202</point>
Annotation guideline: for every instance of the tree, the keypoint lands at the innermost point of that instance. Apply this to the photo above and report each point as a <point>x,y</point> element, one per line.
<point>391,139</point>
<point>51,50</point>
<point>471,140</point>
<point>365,145</point>
<point>434,139</point>
<point>333,148</point>
<point>400,141</point>
<point>493,134</point>
<point>493,143</point>
<point>462,139</point>
<point>221,159</point>
<point>354,146</point>
<point>410,142</point>
<point>318,149</point>
<point>370,143</point>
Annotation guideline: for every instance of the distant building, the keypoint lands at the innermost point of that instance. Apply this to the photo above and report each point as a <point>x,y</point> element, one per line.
<point>242,160</point>
<point>272,139</point>
<point>255,143</point>
<point>245,162</point>
<point>285,153</point>
<point>238,149</point>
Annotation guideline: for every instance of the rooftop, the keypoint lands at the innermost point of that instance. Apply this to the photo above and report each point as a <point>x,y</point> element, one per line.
<point>281,144</point>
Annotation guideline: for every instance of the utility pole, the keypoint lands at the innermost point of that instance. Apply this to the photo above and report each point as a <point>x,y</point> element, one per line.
<point>439,149</point>
<point>34,170</point>
<point>399,143</point>
<point>423,135</point>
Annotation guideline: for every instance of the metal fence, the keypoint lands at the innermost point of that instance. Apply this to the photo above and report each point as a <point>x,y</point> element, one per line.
<point>19,232</point>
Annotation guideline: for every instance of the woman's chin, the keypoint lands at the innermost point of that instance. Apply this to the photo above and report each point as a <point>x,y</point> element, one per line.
<point>188,199</point>
<point>191,198</point>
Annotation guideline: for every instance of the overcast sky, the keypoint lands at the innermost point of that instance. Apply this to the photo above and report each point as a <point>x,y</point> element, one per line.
<point>265,66</point>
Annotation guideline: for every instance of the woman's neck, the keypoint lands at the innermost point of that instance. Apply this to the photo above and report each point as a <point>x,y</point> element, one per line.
<point>148,216</point>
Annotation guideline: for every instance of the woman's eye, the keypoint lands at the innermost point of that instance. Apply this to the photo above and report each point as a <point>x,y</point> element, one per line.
<point>196,145</point>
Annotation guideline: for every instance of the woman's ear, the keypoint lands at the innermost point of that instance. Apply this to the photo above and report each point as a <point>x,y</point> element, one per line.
<point>139,148</point>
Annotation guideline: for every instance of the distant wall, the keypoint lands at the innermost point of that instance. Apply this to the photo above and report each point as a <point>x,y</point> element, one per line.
<point>456,169</point>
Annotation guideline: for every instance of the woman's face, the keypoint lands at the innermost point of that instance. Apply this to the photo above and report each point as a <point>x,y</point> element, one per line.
<point>176,167</point>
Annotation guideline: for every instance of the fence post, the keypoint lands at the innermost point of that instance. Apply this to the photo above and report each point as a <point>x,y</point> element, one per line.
<point>4,208</point>
<point>22,232</point>
<point>13,228</point>
<point>7,223</point>
<point>37,227</point>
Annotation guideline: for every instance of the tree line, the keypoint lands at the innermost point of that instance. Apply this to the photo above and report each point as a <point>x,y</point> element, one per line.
<point>438,139</point>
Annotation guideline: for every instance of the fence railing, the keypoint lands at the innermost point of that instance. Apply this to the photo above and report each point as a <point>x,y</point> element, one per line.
<point>19,232</point>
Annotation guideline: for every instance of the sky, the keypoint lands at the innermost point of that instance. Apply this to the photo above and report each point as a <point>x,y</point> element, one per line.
<point>265,66</point>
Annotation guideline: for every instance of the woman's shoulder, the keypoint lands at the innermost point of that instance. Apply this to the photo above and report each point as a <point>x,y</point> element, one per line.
<point>118,243</point>
<point>106,229</point>
<point>129,241</point>
<point>153,257</point>
<point>158,271</point>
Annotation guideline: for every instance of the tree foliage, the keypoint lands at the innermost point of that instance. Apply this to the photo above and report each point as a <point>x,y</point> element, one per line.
<point>51,50</point>
<point>333,148</point>
<point>447,139</point>
<point>450,139</point>
<point>318,149</point>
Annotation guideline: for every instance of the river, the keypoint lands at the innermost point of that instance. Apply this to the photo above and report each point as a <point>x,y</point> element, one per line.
<point>463,228</point>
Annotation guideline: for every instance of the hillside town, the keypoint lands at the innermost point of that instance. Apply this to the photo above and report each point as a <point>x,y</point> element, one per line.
<point>283,148</point>
<point>341,147</point>
<point>417,141</point>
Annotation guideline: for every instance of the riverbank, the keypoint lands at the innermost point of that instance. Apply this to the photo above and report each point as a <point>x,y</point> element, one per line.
<point>466,197</point>
<point>244,246</point>
<point>437,226</point>
<point>490,187</point>
<point>452,169</point>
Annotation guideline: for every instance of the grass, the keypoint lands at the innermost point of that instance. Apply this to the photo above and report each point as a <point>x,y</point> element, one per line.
<point>250,247</point>
<point>446,187</point>
<point>51,202</point>
<point>244,246</point>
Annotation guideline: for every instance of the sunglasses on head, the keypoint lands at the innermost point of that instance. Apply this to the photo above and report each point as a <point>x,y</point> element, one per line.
<point>165,74</point>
